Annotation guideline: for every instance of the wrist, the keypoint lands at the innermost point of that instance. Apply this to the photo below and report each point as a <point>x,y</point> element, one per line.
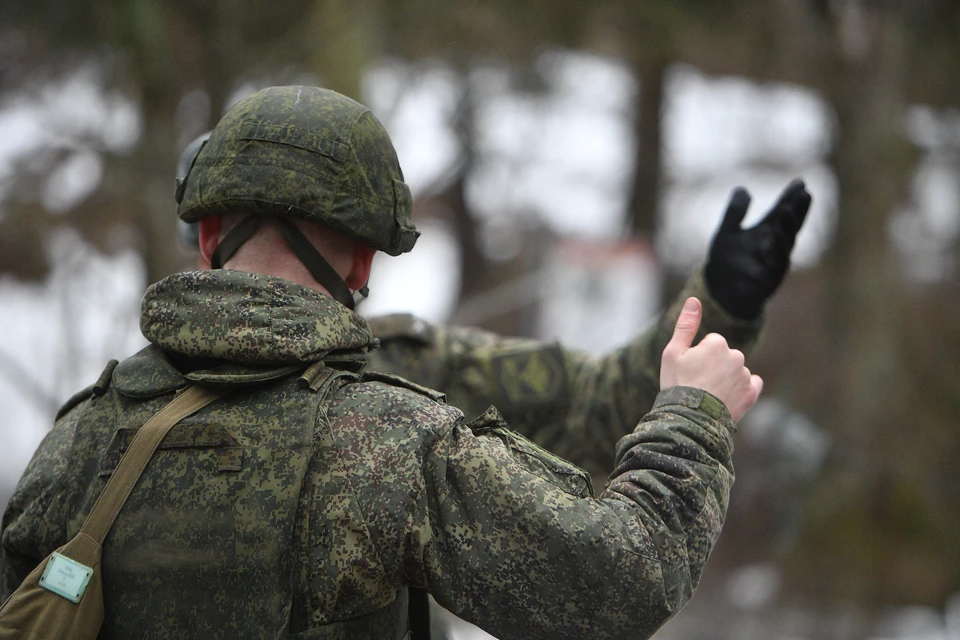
<point>739,304</point>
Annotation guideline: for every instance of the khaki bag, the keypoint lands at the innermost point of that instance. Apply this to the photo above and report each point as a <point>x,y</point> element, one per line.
<point>63,597</point>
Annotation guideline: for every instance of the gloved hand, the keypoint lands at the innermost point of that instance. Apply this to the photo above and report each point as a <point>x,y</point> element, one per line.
<point>745,266</point>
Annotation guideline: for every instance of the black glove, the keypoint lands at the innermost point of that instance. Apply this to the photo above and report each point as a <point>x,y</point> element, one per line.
<point>745,266</point>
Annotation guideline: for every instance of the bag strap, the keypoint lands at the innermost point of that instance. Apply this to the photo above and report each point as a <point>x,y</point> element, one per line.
<point>135,460</point>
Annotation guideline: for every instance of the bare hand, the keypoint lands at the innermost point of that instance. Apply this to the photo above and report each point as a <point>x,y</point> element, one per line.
<point>711,365</point>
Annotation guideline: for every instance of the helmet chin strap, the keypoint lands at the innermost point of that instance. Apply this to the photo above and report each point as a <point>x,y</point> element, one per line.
<point>361,294</point>
<point>315,263</point>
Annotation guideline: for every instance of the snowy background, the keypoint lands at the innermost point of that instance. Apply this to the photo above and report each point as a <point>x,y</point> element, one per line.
<point>563,156</point>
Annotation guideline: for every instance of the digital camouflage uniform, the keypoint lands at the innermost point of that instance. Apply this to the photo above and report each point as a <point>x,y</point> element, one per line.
<point>575,405</point>
<point>306,501</point>
<point>309,501</point>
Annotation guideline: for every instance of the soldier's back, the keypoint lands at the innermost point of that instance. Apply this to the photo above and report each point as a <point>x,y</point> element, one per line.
<point>264,515</point>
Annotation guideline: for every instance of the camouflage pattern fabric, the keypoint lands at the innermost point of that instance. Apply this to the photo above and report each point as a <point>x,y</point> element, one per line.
<point>303,504</point>
<point>568,402</point>
<point>308,153</point>
<point>229,326</point>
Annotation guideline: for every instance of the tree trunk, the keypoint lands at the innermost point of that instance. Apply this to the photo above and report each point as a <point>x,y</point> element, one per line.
<point>644,197</point>
<point>851,527</point>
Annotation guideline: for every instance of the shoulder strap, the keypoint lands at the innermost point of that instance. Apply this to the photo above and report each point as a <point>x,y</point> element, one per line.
<point>402,326</point>
<point>138,455</point>
<point>399,381</point>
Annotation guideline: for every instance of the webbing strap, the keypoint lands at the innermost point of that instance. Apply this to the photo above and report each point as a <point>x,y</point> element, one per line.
<point>232,241</point>
<point>315,263</point>
<point>138,455</point>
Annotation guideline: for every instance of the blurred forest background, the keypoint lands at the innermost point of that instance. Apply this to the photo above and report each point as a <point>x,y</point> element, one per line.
<point>845,521</point>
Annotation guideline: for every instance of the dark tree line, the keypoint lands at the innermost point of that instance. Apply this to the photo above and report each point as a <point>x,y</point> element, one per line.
<point>869,354</point>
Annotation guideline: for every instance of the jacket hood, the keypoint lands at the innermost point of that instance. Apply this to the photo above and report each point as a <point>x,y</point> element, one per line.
<point>247,318</point>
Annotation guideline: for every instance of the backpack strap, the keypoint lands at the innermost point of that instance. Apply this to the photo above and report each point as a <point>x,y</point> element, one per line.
<point>133,463</point>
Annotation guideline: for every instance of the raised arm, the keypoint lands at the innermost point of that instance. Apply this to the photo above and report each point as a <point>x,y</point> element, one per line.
<point>545,391</point>
<point>518,546</point>
<point>577,405</point>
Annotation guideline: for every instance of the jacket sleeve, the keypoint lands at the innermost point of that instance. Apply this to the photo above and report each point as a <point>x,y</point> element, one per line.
<point>610,395</point>
<point>33,522</point>
<point>516,544</point>
<point>569,402</point>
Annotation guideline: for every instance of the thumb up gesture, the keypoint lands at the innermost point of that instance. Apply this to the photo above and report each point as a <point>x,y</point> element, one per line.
<point>711,365</point>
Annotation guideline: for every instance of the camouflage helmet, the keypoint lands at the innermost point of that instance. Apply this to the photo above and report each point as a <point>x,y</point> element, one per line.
<point>189,232</point>
<point>308,153</point>
<point>189,154</point>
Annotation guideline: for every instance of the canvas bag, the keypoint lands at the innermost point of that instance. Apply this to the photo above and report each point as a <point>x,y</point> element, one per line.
<point>63,597</point>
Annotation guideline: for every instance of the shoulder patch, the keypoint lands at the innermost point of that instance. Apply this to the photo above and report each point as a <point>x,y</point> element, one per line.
<point>397,381</point>
<point>402,326</point>
<point>530,377</point>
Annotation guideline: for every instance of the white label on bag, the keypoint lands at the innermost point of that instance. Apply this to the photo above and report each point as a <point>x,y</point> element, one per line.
<point>65,577</point>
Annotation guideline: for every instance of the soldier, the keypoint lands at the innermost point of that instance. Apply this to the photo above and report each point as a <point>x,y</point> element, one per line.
<point>570,403</point>
<point>311,497</point>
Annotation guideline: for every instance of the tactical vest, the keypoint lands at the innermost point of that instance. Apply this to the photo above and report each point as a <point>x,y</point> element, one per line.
<point>223,535</point>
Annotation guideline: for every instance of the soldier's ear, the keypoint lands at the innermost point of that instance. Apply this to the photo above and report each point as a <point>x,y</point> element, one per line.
<point>209,239</point>
<point>360,267</point>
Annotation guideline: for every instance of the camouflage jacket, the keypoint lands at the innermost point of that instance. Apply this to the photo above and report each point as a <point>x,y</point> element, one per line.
<point>305,502</point>
<point>566,401</point>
